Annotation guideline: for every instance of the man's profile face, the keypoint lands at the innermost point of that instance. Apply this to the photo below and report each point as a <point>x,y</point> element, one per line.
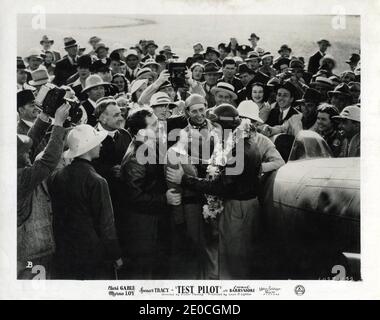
<point>349,127</point>
<point>29,112</point>
<point>112,118</point>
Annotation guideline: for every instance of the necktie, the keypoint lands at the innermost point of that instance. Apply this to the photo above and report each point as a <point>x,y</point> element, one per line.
<point>280,116</point>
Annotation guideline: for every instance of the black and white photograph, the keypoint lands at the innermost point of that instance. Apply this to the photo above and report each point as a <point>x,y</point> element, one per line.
<point>181,148</point>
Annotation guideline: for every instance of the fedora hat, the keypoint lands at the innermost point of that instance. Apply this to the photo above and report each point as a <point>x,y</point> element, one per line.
<point>354,58</point>
<point>94,39</point>
<point>24,97</point>
<point>150,43</point>
<point>93,81</point>
<point>136,84</point>
<point>131,52</point>
<point>261,77</point>
<point>143,71</point>
<point>296,63</point>
<point>252,55</point>
<point>100,66</point>
<point>46,39</point>
<point>243,68</point>
<point>311,95</point>
<point>253,35</point>
<point>160,99</point>
<point>287,85</point>
<point>69,42</point>
<point>322,82</point>
<point>82,139</point>
<point>284,47</point>
<point>324,40</point>
<point>39,77</point>
<point>282,62</point>
<point>84,61</point>
<point>211,50</point>
<point>341,89</point>
<point>350,113</point>
<point>211,67</point>
<point>150,62</point>
<point>249,109</point>
<point>100,45</point>
<point>34,53</point>
<point>224,87</point>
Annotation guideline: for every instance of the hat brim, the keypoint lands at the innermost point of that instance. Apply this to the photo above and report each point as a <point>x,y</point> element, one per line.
<point>70,46</point>
<point>105,84</point>
<point>325,85</point>
<point>250,38</point>
<point>90,145</point>
<point>343,117</point>
<point>96,50</point>
<point>215,89</point>
<point>258,119</point>
<point>38,83</point>
<point>50,41</point>
<point>171,105</point>
<point>337,93</point>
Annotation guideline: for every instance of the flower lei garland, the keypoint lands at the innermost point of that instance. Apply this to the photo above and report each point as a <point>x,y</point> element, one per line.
<point>218,161</point>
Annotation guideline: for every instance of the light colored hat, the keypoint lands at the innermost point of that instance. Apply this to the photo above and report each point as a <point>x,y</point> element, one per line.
<point>131,52</point>
<point>350,113</point>
<point>322,81</point>
<point>252,55</point>
<point>137,84</point>
<point>83,138</point>
<point>161,98</point>
<point>94,80</point>
<point>100,45</point>
<point>94,39</point>
<point>150,62</point>
<point>143,71</point>
<point>266,55</point>
<point>249,109</point>
<point>45,38</point>
<point>39,77</point>
<point>34,53</point>
<point>224,87</point>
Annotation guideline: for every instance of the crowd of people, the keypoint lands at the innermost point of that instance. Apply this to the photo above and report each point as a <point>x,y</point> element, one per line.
<point>156,180</point>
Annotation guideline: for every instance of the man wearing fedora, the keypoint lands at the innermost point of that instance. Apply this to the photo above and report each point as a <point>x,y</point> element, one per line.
<point>211,75</point>
<point>95,89</point>
<point>83,72</point>
<point>93,41</point>
<point>150,48</point>
<point>145,213</point>
<point>27,111</point>
<point>132,61</point>
<point>327,127</point>
<point>284,52</point>
<point>282,110</point>
<point>34,59</point>
<point>22,76</point>
<point>229,71</point>
<point>84,228</point>
<point>253,39</point>
<point>253,61</point>
<point>340,97</point>
<point>314,60</point>
<point>323,85</point>
<point>239,191</point>
<point>35,241</point>
<point>266,65</point>
<point>101,51</point>
<point>349,124</point>
<point>212,55</point>
<point>46,44</point>
<point>67,66</point>
<point>224,93</point>
<point>306,120</point>
<point>353,61</point>
<point>39,78</point>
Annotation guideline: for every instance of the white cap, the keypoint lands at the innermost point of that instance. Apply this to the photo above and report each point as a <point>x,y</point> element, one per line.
<point>249,109</point>
<point>137,84</point>
<point>350,113</point>
<point>83,138</point>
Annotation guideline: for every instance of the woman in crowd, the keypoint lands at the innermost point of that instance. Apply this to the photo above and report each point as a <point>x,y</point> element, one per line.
<point>197,70</point>
<point>258,93</point>
<point>121,82</point>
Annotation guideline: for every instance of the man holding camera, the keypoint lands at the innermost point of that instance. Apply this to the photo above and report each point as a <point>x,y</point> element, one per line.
<point>35,244</point>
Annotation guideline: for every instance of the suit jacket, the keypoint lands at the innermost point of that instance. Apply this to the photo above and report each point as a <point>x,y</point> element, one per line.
<point>274,115</point>
<point>77,87</point>
<point>84,227</point>
<point>130,77</point>
<point>313,65</point>
<point>209,96</point>
<point>22,127</point>
<point>91,119</point>
<point>63,70</point>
